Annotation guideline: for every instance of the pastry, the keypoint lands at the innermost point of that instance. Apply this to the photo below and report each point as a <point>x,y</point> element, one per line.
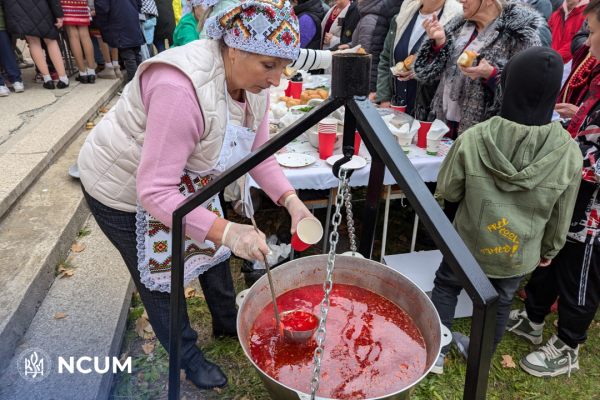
<point>361,51</point>
<point>292,102</point>
<point>400,67</point>
<point>466,58</point>
<point>284,98</point>
<point>289,72</point>
<point>408,63</point>
<point>323,93</point>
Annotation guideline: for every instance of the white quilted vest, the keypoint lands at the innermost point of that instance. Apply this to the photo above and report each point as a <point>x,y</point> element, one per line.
<point>109,158</point>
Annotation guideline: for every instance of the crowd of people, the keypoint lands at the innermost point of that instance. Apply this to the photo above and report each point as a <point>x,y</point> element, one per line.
<point>521,179</point>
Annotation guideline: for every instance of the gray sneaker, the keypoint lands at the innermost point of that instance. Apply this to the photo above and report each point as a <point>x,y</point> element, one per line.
<point>521,325</point>
<point>553,359</point>
<point>438,368</point>
<point>462,342</point>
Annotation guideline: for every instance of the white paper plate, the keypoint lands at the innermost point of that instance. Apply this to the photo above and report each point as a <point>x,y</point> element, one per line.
<point>357,162</point>
<point>293,160</point>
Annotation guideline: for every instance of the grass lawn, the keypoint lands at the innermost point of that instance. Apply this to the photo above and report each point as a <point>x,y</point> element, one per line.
<point>149,375</point>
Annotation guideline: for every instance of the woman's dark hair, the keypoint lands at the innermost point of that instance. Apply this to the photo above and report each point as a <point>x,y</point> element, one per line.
<point>593,7</point>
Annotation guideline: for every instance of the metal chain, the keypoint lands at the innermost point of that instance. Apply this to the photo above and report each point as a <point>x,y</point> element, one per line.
<point>328,284</point>
<point>350,217</point>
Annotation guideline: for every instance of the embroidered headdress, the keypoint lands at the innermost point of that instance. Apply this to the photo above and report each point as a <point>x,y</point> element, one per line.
<point>189,5</point>
<point>267,27</point>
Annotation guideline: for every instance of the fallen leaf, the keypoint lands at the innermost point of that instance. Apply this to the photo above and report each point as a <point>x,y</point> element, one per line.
<point>123,358</point>
<point>60,316</point>
<point>68,272</point>
<point>24,345</point>
<point>189,292</point>
<point>581,346</point>
<point>555,322</point>
<point>102,110</point>
<point>191,384</point>
<point>218,390</point>
<point>140,378</point>
<point>142,327</point>
<point>30,115</point>
<point>182,375</point>
<point>89,126</point>
<point>148,347</point>
<point>10,230</point>
<point>76,248</point>
<point>244,398</point>
<point>447,362</point>
<point>507,362</point>
<point>61,268</point>
<point>11,378</point>
<point>145,314</point>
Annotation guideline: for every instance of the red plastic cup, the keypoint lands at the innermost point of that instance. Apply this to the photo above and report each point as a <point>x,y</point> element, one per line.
<point>423,130</point>
<point>308,232</point>
<point>295,90</point>
<point>288,90</point>
<point>402,109</point>
<point>326,143</point>
<point>356,143</point>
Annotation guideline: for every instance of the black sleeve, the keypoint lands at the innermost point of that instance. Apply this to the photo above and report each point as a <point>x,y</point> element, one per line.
<point>580,37</point>
<point>56,8</point>
<point>389,11</point>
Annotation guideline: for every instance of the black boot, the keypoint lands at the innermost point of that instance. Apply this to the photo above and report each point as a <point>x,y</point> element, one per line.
<point>208,376</point>
<point>49,85</point>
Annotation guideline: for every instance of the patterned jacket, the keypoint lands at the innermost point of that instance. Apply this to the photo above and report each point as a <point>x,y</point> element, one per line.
<point>516,30</point>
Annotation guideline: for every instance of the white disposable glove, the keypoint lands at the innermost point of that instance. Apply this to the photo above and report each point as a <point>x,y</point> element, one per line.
<point>244,242</point>
<point>351,50</point>
<point>297,210</point>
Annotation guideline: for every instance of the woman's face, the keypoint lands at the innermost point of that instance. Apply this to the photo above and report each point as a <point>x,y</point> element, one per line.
<point>255,72</point>
<point>341,3</point>
<point>470,7</point>
<point>594,39</point>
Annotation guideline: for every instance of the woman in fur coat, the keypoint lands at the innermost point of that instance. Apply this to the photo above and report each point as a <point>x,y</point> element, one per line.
<point>494,30</point>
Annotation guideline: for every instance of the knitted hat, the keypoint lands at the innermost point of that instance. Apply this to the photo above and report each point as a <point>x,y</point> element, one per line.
<point>268,27</point>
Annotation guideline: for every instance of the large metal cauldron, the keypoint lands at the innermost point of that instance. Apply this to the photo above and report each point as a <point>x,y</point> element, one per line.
<point>353,271</point>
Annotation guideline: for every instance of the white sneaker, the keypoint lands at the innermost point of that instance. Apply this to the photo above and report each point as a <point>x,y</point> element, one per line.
<point>18,86</point>
<point>4,91</point>
<point>438,367</point>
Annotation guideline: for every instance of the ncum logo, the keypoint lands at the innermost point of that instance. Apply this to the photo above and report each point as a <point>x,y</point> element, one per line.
<point>86,368</point>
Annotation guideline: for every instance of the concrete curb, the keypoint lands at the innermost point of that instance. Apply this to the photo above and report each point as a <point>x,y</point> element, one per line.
<point>33,237</point>
<point>24,162</point>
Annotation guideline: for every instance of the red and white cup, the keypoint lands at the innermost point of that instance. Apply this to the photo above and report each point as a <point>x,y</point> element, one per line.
<point>401,109</point>
<point>308,232</point>
<point>327,136</point>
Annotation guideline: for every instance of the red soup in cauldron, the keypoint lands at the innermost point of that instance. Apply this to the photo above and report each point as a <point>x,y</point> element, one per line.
<point>373,348</point>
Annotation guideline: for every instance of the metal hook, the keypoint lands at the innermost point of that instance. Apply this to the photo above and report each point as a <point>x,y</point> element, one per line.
<point>348,152</point>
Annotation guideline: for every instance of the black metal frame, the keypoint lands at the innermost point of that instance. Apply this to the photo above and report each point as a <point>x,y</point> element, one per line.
<point>65,48</point>
<point>350,87</point>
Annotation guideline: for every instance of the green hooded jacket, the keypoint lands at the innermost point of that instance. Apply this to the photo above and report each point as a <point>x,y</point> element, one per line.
<point>187,29</point>
<point>517,186</point>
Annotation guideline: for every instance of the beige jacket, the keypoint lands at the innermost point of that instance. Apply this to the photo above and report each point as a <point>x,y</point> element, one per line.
<point>109,158</point>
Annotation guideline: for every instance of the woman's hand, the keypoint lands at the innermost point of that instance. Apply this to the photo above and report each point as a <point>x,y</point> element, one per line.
<point>59,23</point>
<point>372,97</point>
<point>566,110</point>
<point>544,262</point>
<point>435,31</point>
<point>245,242</point>
<point>484,70</point>
<point>385,104</point>
<point>405,76</point>
<point>93,12</point>
<point>343,47</point>
<point>297,210</point>
<point>327,38</point>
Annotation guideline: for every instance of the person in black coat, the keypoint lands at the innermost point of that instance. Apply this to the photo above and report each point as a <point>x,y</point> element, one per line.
<point>165,24</point>
<point>37,20</point>
<point>348,26</point>
<point>580,37</point>
<point>310,14</point>
<point>120,29</point>
<point>389,10</point>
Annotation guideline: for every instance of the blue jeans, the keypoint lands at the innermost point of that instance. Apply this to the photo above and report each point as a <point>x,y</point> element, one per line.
<point>7,60</point>
<point>445,297</point>
<point>98,57</point>
<point>160,45</point>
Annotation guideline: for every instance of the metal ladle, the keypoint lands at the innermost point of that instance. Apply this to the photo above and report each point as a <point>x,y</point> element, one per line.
<point>298,336</point>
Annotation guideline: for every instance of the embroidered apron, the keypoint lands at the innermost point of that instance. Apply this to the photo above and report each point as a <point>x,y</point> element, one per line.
<point>154,239</point>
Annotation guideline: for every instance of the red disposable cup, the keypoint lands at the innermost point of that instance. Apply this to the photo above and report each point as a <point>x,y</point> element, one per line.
<point>356,143</point>
<point>308,232</point>
<point>423,130</point>
<point>288,90</point>
<point>326,143</point>
<point>402,109</point>
<point>296,90</point>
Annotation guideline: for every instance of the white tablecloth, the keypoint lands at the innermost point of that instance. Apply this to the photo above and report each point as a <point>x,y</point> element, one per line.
<point>319,175</point>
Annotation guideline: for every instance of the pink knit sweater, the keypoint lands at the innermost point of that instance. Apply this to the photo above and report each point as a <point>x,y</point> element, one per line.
<point>174,126</point>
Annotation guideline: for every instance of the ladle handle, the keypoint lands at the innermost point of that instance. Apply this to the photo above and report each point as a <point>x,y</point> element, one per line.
<point>268,269</point>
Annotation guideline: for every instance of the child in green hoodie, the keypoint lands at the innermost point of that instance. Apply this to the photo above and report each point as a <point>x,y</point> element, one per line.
<point>516,177</point>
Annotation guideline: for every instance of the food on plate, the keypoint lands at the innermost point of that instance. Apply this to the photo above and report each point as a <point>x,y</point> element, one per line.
<point>308,95</point>
<point>466,58</point>
<point>361,51</point>
<point>408,63</point>
<point>400,67</point>
<point>287,71</point>
<point>284,98</point>
<point>292,102</point>
<point>305,109</point>
<point>323,93</point>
